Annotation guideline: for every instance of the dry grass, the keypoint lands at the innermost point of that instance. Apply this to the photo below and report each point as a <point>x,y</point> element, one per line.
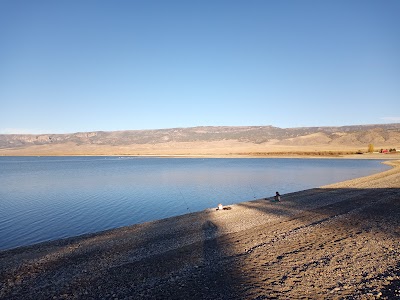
<point>184,148</point>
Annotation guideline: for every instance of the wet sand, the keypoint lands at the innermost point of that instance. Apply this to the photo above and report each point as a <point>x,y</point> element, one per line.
<point>340,241</point>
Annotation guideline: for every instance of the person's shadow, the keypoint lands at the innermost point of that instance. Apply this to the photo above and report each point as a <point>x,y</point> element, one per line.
<point>222,278</point>
<point>210,246</point>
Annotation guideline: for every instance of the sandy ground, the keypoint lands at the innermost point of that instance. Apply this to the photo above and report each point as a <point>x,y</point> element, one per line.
<point>340,241</point>
<point>230,148</point>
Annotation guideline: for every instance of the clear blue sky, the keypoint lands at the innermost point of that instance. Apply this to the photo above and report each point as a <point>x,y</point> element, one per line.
<point>84,65</point>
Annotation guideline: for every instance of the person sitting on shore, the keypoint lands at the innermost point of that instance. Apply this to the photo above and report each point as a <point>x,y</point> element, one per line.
<point>277,197</point>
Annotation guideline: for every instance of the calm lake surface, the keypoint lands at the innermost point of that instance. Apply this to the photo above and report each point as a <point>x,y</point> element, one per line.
<point>46,198</point>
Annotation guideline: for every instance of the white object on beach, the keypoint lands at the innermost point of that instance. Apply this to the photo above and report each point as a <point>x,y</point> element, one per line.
<point>220,206</point>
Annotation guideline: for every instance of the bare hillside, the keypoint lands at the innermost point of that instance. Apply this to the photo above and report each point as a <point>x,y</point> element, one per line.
<point>204,140</point>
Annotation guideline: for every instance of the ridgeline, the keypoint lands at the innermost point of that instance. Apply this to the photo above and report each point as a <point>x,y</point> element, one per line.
<point>208,140</point>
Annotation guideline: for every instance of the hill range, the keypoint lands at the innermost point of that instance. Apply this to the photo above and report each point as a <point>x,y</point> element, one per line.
<point>208,140</point>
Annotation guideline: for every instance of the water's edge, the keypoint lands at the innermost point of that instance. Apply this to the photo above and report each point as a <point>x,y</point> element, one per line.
<point>172,219</point>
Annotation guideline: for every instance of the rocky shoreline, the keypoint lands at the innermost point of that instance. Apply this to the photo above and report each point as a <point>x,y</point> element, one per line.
<point>340,241</point>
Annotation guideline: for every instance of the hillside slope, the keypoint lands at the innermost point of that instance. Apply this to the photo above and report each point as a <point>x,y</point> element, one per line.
<point>204,140</point>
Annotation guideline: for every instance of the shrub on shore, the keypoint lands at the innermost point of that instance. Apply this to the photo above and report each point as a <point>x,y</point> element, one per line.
<point>301,153</point>
<point>370,148</point>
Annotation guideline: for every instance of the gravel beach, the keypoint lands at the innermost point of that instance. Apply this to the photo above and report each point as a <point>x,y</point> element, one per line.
<point>340,241</point>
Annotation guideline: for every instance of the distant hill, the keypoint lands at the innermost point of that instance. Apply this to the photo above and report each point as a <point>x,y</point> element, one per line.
<point>204,140</point>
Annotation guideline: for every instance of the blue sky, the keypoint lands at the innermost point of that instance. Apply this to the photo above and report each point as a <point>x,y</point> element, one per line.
<point>68,66</point>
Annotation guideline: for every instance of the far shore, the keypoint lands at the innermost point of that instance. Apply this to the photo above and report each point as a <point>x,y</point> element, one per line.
<point>320,154</point>
<point>340,241</point>
<point>222,148</point>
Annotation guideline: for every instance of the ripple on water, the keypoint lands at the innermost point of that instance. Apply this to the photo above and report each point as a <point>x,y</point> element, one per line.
<point>48,198</point>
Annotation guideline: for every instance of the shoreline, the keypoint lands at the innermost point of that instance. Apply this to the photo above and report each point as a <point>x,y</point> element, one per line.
<point>395,156</point>
<point>258,246</point>
<point>71,236</point>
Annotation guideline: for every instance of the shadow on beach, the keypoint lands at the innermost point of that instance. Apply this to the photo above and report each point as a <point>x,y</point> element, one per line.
<point>342,242</point>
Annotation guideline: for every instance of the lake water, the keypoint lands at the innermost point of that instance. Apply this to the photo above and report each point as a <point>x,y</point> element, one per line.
<point>46,198</point>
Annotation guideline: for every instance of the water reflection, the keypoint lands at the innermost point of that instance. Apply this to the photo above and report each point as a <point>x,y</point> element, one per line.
<point>48,198</point>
